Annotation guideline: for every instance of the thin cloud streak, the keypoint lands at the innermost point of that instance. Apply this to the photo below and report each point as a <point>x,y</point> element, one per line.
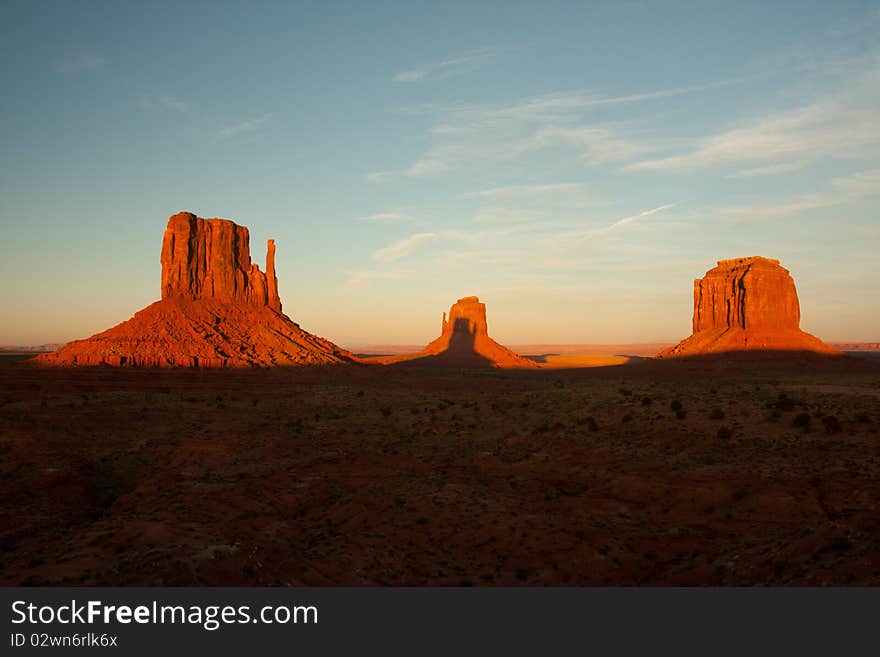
<point>403,247</point>
<point>625,221</point>
<point>845,189</point>
<point>173,103</point>
<point>445,67</point>
<point>506,216</point>
<point>840,124</point>
<point>516,191</point>
<point>244,126</point>
<point>362,278</point>
<point>771,170</point>
<point>408,76</point>
<point>80,63</point>
<point>389,218</point>
<point>471,135</point>
<point>636,217</point>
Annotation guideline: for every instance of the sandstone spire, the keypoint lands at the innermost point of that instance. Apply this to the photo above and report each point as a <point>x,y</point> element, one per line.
<point>272,283</point>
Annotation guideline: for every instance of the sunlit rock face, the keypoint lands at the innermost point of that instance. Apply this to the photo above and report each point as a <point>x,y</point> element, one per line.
<point>747,304</point>
<point>210,259</point>
<point>217,310</point>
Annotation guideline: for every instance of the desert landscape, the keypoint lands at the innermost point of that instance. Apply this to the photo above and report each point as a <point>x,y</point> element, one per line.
<point>209,440</point>
<point>688,472</point>
<point>483,294</point>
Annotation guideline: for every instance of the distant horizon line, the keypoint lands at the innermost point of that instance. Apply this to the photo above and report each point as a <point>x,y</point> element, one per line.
<point>403,347</point>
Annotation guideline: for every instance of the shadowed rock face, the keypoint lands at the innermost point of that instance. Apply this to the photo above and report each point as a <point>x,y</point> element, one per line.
<point>464,342</point>
<point>747,304</point>
<point>217,310</point>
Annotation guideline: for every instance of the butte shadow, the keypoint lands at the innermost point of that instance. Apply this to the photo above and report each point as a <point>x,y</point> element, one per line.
<point>464,342</point>
<point>217,310</point>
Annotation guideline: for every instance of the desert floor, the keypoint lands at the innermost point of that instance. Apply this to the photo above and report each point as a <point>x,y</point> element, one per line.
<point>643,473</point>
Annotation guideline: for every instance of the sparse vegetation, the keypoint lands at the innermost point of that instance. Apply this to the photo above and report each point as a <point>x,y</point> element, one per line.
<point>523,481</point>
<point>784,402</point>
<point>831,423</point>
<point>802,420</point>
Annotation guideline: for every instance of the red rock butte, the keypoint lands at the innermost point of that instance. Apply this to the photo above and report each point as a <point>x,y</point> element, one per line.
<point>747,304</point>
<point>464,342</point>
<point>217,310</point>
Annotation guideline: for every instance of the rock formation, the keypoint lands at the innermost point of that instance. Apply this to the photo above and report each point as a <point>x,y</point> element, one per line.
<point>217,310</point>
<point>464,342</point>
<point>210,259</point>
<point>747,304</point>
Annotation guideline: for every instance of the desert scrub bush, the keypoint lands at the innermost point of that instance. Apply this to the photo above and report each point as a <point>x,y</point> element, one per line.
<point>675,405</point>
<point>647,401</point>
<point>802,420</point>
<point>724,433</point>
<point>717,414</point>
<point>627,418</point>
<point>625,392</point>
<point>783,403</point>
<point>591,423</point>
<point>680,414</point>
<point>832,424</point>
<point>386,411</point>
<point>104,485</point>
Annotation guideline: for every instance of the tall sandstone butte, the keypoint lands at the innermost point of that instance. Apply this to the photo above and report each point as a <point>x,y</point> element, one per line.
<point>464,342</point>
<point>210,259</point>
<point>217,310</point>
<point>747,304</point>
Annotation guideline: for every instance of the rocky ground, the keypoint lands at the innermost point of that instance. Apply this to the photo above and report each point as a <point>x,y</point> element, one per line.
<point>645,473</point>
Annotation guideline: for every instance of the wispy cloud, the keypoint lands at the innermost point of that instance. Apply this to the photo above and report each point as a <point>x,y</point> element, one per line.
<point>518,191</point>
<point>626,221</point>
<point>474,135</point>
<point>79,63</point>
<point>771,170</point>
<point>839,124</point>
<point>520,258</point>
<point>408,76</point>
<point>551,107</point>
<point>244,126</point>
<point>596,143</point>
<point>505,216</point>
<point>449,66</point>
<point>766,211</point>
<point>863,183</point>
<point>620,223</point>
<point>173,103</point>
<point>389,218</point>
<point>403,247</point>
<point>362,278</point>
<point>844,189</point>
<point>420,168</point>
<point>168,103</point>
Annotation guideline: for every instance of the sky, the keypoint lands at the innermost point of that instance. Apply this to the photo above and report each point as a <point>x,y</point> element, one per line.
<point>574,164</point>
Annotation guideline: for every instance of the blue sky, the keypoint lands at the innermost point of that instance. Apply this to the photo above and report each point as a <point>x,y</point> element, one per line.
<point>576,165</point>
